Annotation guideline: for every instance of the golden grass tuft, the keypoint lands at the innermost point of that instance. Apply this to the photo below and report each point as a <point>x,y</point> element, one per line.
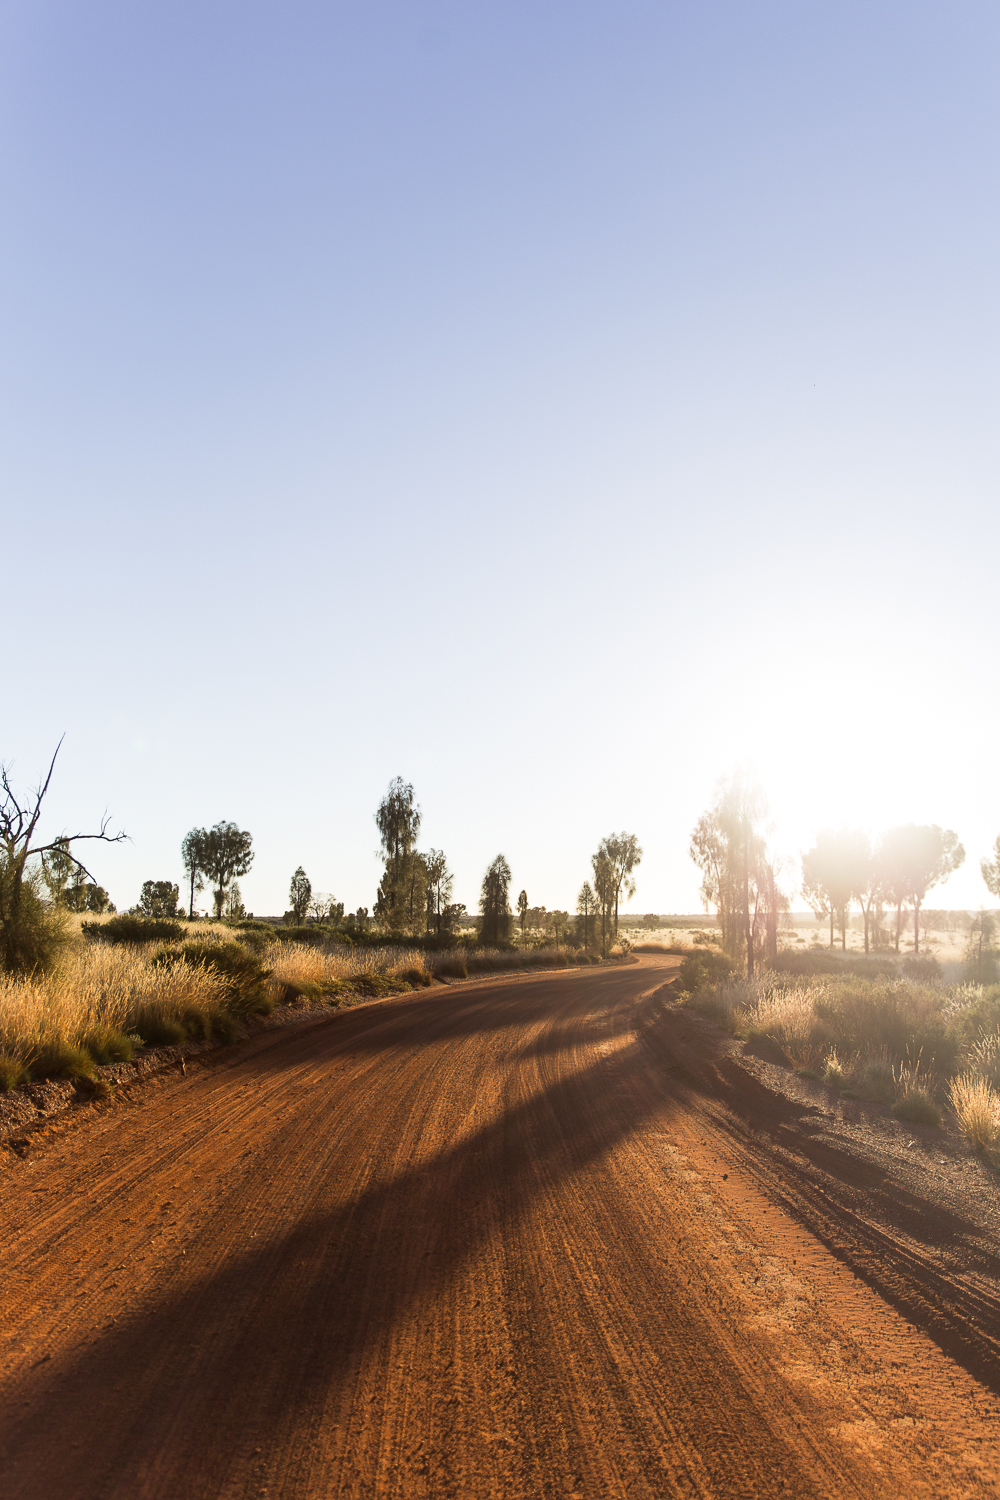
<point>977,1105</point>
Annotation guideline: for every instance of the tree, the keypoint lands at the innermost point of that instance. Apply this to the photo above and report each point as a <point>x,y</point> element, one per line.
<point>623,854</point>
<point>586,906</point>
<point>864,874</point>
<point>440,882</point>
<point>57,869</point>
<point>728,846</point>
<point>300,895</point>
<point>828,876</point>
<point>193,848</point>
<point>226,855</point>
<point>494,905</point>
<point>159,898</point>
<point>522,911</point>
<point>605,889</point>
<point>398,821</point>
<point>325,908</point>
<point>918,857</point>
<point>234,910</point>
<point>980,956</point>
<point>990,871</point>
<point>28,935</point>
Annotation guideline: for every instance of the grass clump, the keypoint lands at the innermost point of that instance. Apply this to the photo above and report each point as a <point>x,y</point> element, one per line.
<point>977,1105</point>
<point>12,1073</point>
<point>106,1044</point>
<point>54,1057</point>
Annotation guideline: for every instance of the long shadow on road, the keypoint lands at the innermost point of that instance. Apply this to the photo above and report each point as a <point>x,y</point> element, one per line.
<point>299,1311</point>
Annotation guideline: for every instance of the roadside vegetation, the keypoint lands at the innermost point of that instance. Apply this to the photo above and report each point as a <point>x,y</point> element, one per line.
<point>867,1029</point>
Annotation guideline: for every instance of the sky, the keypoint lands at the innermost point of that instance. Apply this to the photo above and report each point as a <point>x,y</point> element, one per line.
<point>554,404</point>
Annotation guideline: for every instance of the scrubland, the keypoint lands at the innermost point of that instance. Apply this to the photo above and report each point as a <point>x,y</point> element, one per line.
<point>868,1029</point>
<point>103,1002</point>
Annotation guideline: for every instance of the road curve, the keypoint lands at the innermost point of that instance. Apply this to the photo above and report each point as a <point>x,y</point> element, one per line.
<point>491,1240</point>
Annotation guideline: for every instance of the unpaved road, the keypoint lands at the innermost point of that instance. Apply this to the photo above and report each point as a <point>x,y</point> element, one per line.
<point>513,1239</point>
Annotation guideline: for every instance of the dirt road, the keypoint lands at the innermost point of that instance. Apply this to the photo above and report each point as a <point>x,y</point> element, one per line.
<point>513,1239</point>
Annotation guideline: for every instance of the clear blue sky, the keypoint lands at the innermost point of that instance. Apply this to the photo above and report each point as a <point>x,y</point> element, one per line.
<point>552,403</point>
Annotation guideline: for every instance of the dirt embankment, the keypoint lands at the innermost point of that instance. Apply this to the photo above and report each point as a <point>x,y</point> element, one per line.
<point>530,1239</point>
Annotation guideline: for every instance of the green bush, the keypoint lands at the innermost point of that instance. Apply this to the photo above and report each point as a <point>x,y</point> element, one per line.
<point>108,1045</point>
<point>300,989</point>
<point>158,1030</point>
<point>922,967</point>
<point>12,1073</point>
<point>417,976</point>
<point>56,1058</point>
<point>133,930</point>
<point>314,935</point>
<point>452,967</point>
<point>704,967</point>
<point>893,1019</point>
<point>918,1108</point>
<point>805,961</point>
<point>32,934</point>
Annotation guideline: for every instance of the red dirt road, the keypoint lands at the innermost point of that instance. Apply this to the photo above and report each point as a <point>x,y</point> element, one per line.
<point>530,1238</point>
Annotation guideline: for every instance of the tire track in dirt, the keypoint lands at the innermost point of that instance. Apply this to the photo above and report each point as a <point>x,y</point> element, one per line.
<point>471,1243</point>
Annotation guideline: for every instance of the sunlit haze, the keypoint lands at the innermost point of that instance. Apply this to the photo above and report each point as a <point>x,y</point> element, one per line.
<point>554,405</point>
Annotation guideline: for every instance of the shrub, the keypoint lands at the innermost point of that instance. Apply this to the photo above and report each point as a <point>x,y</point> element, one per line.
<point>977,1105</point>
<point>316,936</point>
<point>452,966</point>
<point>133,930</point>
<point>984,1058</point>
<point>53,1057</point>
<point>876,1079</point>
<point>703,968</point>
<point>32,934</point>
<point>918,1108</point>
<point>834,1071</point>
<point>414,974</point>
<point>890,1019</point>
<point>106,1044</point>
<point>242,972</point>
<point>300,989</point>
<point>157,1028</point>
<point>12,1073</point>
<point>827,961</point>
<point>922,967</point>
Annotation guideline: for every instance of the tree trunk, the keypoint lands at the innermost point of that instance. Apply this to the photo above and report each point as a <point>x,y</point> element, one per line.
<point>865,911</point>
<point>747,927</point>
<point>831,924</point>
<point>916,927</point>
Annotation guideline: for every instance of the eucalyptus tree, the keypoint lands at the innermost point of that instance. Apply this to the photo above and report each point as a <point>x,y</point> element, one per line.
<point>398,821</point>
<point>300,895</point>
<point>586,906</point>
<point>440,883</point>
<point>522,912</point>
<point>829,877</point>
<point>623,854</point>
<point>193,847</point>
<point>494,905</point>
<point>916,857</point>
<point>728,846</point>
<point>606,891</point>
<point>227,854</point>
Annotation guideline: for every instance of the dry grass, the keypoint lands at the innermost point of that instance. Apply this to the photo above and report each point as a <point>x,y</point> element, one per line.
<point>977,1105</point>
<point>102,1002</point>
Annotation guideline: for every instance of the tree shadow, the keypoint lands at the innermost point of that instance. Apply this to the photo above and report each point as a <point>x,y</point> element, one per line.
<point>301,1312</point>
